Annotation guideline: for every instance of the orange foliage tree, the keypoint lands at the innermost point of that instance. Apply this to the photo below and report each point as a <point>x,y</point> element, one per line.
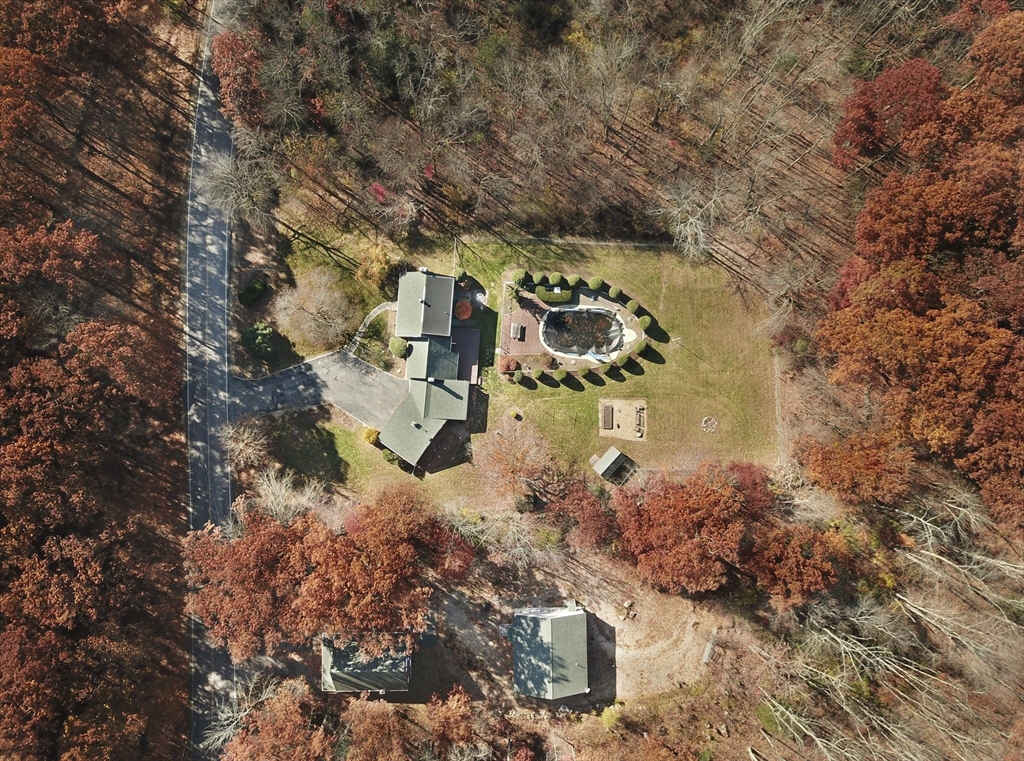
<point>377,731</point>
<point>862,467</point>
<point>685,536</point>
<point>281,727</point>
<point>793,563</point>
<point>278,583</point>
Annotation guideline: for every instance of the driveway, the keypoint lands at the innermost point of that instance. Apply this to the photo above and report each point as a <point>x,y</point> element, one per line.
<point>353,386</point>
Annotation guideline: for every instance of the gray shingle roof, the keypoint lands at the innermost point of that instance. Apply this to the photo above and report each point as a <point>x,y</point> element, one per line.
<point>444,399</point>
<point>424,305</point>
<point>408,433</point>
<point>549,652</point>
<point>431,358</point>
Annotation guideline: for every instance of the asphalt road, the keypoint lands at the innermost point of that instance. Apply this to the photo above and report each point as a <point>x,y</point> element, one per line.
<point>207,256</point>
<point>214,396</point>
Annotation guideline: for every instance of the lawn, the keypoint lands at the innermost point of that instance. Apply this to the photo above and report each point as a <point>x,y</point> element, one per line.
<point>321,443</point>
<point>709,359</point>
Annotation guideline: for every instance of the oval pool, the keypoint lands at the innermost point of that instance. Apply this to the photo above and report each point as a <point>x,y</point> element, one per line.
<point>582,331</point>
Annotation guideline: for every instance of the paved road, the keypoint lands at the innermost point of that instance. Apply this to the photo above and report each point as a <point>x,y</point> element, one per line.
<point>214,396</point>
<point>207,253</point>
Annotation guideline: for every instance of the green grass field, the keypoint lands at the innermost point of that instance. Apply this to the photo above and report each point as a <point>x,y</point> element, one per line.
<point>706,359</point>
<point>709,361</point>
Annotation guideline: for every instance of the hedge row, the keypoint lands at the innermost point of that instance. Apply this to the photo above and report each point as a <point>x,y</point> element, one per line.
<point>550,297</point>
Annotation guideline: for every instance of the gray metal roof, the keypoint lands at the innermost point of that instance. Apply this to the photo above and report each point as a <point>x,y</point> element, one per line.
<point>424,305</point>
<point>408,433</point>
<point>431,358</point>
<point>549,652</point>
<point>346,669</point>
<point>610,462</point>
<point>442,399</point>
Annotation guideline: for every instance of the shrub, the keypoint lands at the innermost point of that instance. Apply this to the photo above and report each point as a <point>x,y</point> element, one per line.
<point>640,348</point>
<point>507,363</point>
<point>460,275</point>
<point>645,322</point>
<point>518,276</point>
<point>538,277</point>
<point>371,436</point>
<point>573,280</point>
<point>595,283</point>
<point>614,292</point>
<point>257,339</point>
<point>398,346</point>
<point>391,458</point>
<point>517,376</point>
<point>622,360</point>
<point>560,375</point>
<point>555,278</point>
<point>252,292</point>
<point>602,369</point>
<point>611,718</point>
<point>537,373</point>
<point>550,297</point>
<point>632,306</point>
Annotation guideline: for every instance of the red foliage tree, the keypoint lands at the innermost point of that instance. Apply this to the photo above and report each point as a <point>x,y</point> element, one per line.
<point>894,104</point>
<point>793,564</point>
<point>592,524</point>
<point>684,536</point>
<point>237,61</point>
<point>854,273</point>
<point>752,482</point>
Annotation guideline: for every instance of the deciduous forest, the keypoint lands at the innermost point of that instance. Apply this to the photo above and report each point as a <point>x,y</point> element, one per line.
<point>93,98</point>
<point>856,167</point>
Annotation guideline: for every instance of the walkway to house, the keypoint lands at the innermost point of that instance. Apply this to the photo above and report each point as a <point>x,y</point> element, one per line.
<point>387,306</point>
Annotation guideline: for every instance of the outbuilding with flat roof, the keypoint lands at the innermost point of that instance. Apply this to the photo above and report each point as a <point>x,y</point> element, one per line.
<point>345,668</point>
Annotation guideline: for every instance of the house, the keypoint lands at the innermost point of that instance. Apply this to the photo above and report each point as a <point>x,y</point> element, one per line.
<point>610,463</point>
<point>549,651</point>
<point>346,668</point>
<point>441,365</point>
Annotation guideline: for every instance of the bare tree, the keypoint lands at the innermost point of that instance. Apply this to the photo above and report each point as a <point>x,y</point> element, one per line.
<point>282,498</point>
<point>245,185</point>
<point>514,459</point>
<point>229,714</point>
<point>245,442</point>
<point>690,215</point>
<point>315,312</point>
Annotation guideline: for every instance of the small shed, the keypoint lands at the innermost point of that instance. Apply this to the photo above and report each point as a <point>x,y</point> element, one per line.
<point>549,651</point>
<point>345,668</point>
<point>609,463</point>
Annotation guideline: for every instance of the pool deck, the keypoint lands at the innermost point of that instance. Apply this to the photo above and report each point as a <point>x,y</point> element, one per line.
<point>529,350</point>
